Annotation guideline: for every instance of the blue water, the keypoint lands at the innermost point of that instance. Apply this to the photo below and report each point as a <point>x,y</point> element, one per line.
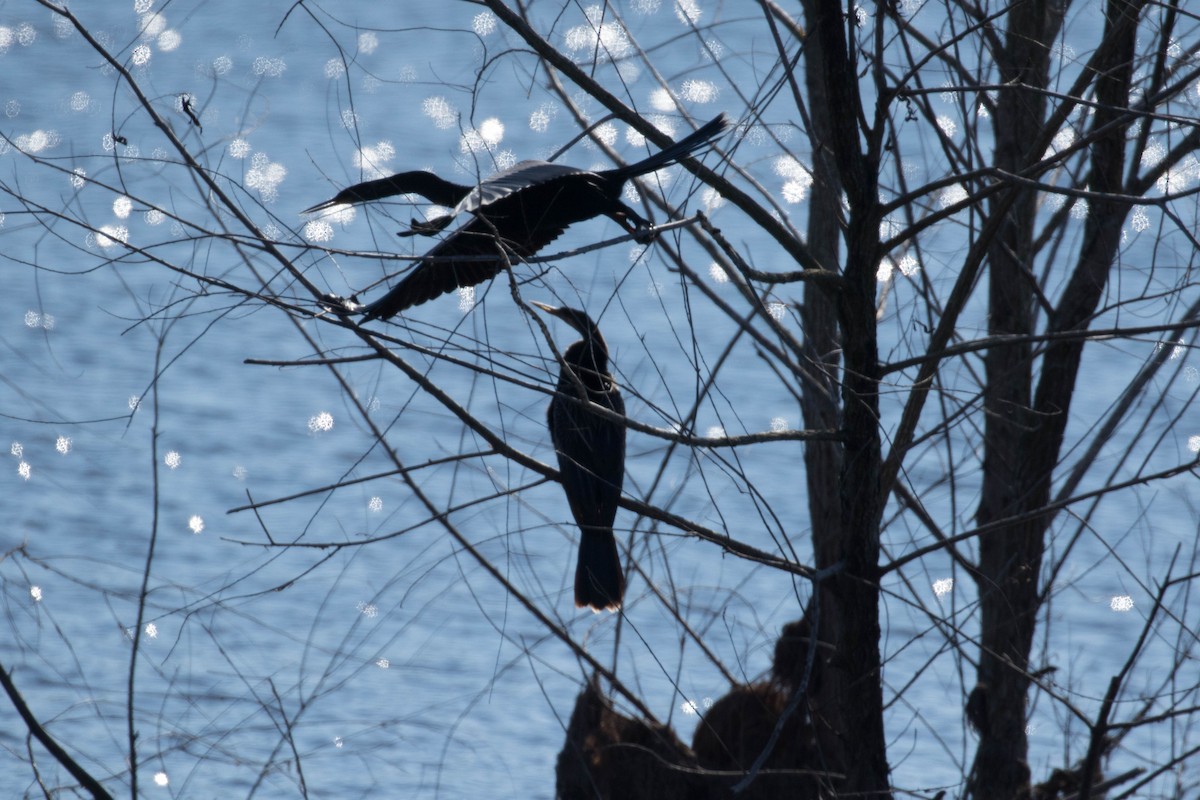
<point>401,667</point>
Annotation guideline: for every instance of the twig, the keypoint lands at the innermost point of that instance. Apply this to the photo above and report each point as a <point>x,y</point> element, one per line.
<point>72,766</point>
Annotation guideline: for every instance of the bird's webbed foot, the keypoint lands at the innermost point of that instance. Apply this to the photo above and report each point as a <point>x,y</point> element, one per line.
<point>426,227</point>
<point>341,306</point>
<point>644,235</point>
<point>635,224</point>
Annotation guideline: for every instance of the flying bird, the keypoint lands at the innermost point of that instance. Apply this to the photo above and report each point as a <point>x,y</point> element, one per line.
<point>514,213</point>
<point>591,459</point>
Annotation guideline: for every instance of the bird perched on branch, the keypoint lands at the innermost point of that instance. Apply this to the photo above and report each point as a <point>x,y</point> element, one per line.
<point>515,213</point>
<point>591,458</point>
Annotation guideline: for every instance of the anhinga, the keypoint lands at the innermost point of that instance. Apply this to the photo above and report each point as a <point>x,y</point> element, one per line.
<point>591,458</point>
<point>515,213</point>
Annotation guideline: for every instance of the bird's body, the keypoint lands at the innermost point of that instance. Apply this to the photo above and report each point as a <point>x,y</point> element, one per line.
<point>514,213</point>
<point>591,458</point>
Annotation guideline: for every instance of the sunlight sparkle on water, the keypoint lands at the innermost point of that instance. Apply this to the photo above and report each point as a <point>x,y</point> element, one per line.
<point>368,41</point>
<point>1193,444</point>
<point>778,424</point>
<point>717,273</point>
<point>320,423</point>
<point>269,67</point>
<point>222,65</point>
<point>1121,603</point>
<point>951,195</point>
<point>161,779</point>
<point>24,470</point>
<point>152,24</point>
<point>151,630</point>
<point>121,207</point>
<point>662,100</point>
<point>777,310</point>
<point>17,449</point>
<point>239,148</point>
<point>141,55</point>
<point>78,178</point>
<point>606,132</point>
<point>440,111</point>
<point>688,11</point>
<point>37,141</point>
<point>373,159</point>
<point>715,432</point>
<point>886,267</point>
<point>169,40</point>
<point>36,593</point>
<point>1140,220</point>
<point>699,92</point>
<point>63,444</point>
<point>367,610</point>
<point>265,176</point>
<point>111,235</point>
<point>318,230</point>
<point>195,523</point>
<point>711,199</point>
<point>943,586</point>
<point>889,227</point>
<point>35,320</point>
<point>375,505</point>
<point>172,459</point>
<point>690,707</point>
<point>466,298</point>
<point>133,402</point>
<point>798,180</point>
<point>484,24</point>
<point>600,37</point>
<point>491,130</point>
<point>383,663</point>
<point>1154,153</point>
<point>334,68</point>
<point>539,119</point>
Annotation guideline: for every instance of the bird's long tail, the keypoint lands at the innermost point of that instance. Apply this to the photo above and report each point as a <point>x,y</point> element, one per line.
<point>599,582</point>
<point>685,146</point>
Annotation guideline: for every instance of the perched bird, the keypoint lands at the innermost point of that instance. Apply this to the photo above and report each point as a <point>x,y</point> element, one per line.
<point>591,458</point>
<point>514,213</point>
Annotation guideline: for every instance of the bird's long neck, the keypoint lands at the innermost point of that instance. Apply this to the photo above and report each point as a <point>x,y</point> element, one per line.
<point>588,359</point>
<point>432,187</point>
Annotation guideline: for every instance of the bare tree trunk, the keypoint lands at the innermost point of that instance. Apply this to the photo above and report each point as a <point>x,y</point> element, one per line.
<point>1024,430</point>
<point>849,704</point>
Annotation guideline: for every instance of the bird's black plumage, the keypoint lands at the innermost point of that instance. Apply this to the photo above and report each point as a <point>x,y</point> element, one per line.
<point>432,187</point>
<point>591,458</point>
<point>515,213</point>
